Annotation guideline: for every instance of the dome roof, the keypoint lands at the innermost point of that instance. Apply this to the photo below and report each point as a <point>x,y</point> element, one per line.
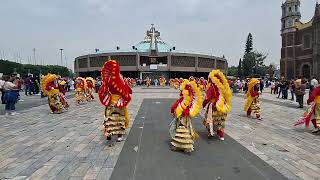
<point>146,46</point>
<point>152,41</point>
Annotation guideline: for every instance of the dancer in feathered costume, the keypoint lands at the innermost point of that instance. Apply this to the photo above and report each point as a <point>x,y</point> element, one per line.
<point>217,103</point>
<point>253,102</point>
<point>202,84</point>
<point>162,81</point>
<point>81,89</point>
<point>91,83</point>
<point>148,82</point>
<point>184,109</point>
<point>50,87</point>
<point>313,112</point>
<point>171,83</point>
<point>176,83</point>
<point>115,95</point>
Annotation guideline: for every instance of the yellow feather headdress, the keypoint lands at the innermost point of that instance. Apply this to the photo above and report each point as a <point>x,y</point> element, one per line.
<point>191,98</point>
<point>84,82</point>
<point>92,80</point>
<point>251,84</point>
<point>224,100</point>
<point>45,80</point>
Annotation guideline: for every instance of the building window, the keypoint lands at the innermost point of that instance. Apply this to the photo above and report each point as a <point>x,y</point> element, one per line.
<point>296,8</point>
<point>98,61</point>
<point>307,41</point>
<point>183,61</point>
<point>206,63</point>
<point>283,24</point>
<point>83,63</point>
<point>125,60</point>
<point>290,9</point>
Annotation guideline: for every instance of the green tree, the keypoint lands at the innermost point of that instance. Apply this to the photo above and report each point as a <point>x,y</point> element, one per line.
<point>253,64</point>
<point>248,64</point>
<point>253,61</point>
<point>240,68</point>
<point>249,44</point>
<point>8,67</point>
<point>232,71</point>
<point>260,67</point>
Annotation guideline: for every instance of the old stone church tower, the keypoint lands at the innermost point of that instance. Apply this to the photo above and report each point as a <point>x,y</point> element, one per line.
<point>300,52</point>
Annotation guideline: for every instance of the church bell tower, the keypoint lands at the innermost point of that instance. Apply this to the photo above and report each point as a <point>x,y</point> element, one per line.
<point>290,15</point>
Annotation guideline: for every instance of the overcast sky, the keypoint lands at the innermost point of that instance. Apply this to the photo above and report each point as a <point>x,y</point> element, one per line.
<point>79,26</point>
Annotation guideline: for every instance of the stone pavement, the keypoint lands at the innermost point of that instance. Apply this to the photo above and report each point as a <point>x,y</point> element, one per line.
<point>40,145</point>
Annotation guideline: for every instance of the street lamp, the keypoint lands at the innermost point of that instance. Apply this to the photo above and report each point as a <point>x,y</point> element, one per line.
<point>61,56</point>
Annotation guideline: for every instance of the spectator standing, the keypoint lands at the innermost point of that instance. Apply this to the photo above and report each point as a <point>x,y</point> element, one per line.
<point>280,87</point>
<point>261,86</point>
<point>292,89</point>
<point>155,82</point>
<point>285,90</point>
<point>276,87</point>
<point>10,95</point>
<point>273,87</point>
<point>36,89</point>
<point>1,89</point>
<point>300,88</point>
<point>28,86</point>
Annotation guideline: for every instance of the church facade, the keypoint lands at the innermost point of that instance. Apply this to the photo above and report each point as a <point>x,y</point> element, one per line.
<point>300,52</point>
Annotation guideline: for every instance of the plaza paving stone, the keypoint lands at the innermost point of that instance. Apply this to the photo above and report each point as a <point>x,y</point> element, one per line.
<point>38,145</point>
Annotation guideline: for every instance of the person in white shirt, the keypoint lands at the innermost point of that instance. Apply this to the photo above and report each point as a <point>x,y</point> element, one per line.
<point>10,95</point>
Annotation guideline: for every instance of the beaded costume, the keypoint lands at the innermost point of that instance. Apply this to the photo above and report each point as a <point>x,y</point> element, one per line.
<point>253,102</point>
<point>81,90</point>
<point>313,112</point>
<point>217,103</point>
<point>184,109</point>
<point>162,81</point>
<point>115,95</point>
<point>90,88</point>
<point>49,86</point>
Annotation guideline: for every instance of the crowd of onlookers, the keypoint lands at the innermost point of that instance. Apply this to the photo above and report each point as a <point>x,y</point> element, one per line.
<point>281,88</point>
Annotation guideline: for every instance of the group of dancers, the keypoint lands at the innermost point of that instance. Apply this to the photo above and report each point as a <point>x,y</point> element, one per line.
<point>57,101</point>
<point>214,96</point>
<point>201,82</point>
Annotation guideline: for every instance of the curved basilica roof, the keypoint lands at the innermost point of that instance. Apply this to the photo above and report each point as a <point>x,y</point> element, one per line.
<point>152,41</point>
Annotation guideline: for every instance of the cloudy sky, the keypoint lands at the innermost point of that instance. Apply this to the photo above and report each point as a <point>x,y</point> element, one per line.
<point>79,26</point>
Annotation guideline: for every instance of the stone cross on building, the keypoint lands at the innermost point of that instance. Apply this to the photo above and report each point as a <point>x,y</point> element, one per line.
<point>154,35</point>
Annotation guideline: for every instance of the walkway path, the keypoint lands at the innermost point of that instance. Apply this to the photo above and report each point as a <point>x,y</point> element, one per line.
<point>40,145</point>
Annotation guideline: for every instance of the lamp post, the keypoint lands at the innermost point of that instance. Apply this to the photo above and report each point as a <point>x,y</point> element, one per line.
<point>34,56</point>
<point>61,56</point>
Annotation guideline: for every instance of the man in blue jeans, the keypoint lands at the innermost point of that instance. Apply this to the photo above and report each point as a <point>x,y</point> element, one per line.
<point>10,95</point>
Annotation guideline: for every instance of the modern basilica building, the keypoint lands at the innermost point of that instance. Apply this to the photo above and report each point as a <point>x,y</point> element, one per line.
<point>151,58</point>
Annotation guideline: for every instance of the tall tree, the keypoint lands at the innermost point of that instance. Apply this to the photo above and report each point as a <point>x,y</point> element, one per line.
<point>249,44</point>
<point>248,64</point>
<point>232,71</point>
<point>240,68</point>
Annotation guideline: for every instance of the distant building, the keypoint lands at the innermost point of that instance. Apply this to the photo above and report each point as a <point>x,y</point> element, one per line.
<point>152,58</point>
<point>300,52</point>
